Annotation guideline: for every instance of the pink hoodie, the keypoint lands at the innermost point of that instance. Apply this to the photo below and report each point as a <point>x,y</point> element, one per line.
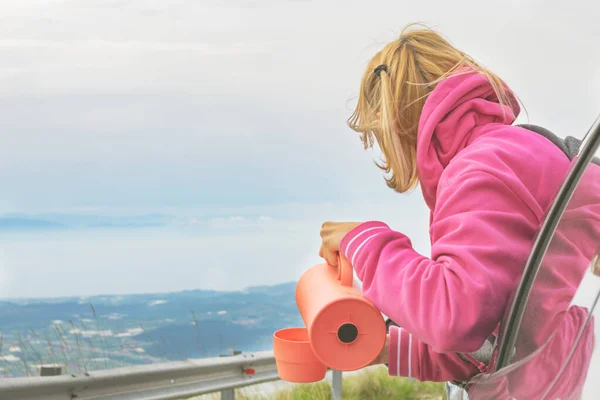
<point>488,185</point>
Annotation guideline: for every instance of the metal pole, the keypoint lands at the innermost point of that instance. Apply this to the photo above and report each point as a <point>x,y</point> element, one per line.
<point>228,394</point>
<point>336,385</point>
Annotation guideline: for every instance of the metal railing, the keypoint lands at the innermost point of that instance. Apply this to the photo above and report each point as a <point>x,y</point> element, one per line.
<point>163,381</point>
<point>513,324</point>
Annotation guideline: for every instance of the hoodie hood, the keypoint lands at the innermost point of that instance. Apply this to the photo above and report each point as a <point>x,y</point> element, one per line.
<point>459,110</point>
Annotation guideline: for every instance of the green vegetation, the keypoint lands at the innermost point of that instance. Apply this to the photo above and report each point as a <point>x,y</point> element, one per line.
<point>371,384</point>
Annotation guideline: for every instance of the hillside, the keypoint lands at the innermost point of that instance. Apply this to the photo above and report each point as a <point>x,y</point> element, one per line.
<point>108,331</point>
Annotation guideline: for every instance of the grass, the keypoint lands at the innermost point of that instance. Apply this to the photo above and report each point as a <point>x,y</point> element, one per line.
<point>371,384</point>
<point>65,344</point>
<point>377,384</point>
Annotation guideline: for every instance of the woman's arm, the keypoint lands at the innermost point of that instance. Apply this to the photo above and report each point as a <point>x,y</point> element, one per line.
<point>409,357</point>
<point>481,232</point>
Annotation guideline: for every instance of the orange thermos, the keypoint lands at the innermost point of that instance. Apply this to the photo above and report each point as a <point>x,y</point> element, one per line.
<point>344,331</point>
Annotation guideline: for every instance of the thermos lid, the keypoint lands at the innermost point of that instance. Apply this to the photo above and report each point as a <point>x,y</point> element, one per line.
<point>348,334</point>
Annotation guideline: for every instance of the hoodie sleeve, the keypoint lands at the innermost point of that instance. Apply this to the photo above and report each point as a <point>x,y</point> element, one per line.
<point>411,358</point>
<point>481,234</point>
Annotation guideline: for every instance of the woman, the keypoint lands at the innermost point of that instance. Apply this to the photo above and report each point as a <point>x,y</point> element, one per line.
<point>444,122</point>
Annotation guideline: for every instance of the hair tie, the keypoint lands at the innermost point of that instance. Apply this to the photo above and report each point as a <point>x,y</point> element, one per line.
<point>380,68</point>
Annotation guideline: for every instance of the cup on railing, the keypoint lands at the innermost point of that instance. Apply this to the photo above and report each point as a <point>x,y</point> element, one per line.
<point>294,357</point>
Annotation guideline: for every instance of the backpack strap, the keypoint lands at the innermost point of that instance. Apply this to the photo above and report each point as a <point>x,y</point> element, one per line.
<point>569,145</point>
<point>481,358</point>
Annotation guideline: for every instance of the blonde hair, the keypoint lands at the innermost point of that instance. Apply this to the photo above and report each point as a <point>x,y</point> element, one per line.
<point>391,98</point>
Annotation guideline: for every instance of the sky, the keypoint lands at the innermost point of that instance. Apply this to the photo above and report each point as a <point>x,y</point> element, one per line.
<point>155,103</point>
<point>220,107</point>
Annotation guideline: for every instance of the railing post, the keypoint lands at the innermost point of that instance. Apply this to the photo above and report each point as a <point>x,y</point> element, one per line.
<point>50,370</point>
<point>336,385</point>
<point>228,394</point>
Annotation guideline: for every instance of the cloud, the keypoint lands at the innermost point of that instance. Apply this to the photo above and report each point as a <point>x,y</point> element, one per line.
<point>140,102</point>
<point>90,333</point>
<point>236,221</point>
<point>116,316</point>
<point>130,332</point>
<point>246,322</point>
<point>76,45</point>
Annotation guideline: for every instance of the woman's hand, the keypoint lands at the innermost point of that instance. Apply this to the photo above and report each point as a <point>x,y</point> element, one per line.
<point>384,355</point>
<point>331,235</point>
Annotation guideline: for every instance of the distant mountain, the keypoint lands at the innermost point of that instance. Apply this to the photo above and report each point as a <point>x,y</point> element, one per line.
<point>191,223</point>
<point>18,221</point>
<point>14,223</point>
<point>283,288</point>
<point>107,331</point>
